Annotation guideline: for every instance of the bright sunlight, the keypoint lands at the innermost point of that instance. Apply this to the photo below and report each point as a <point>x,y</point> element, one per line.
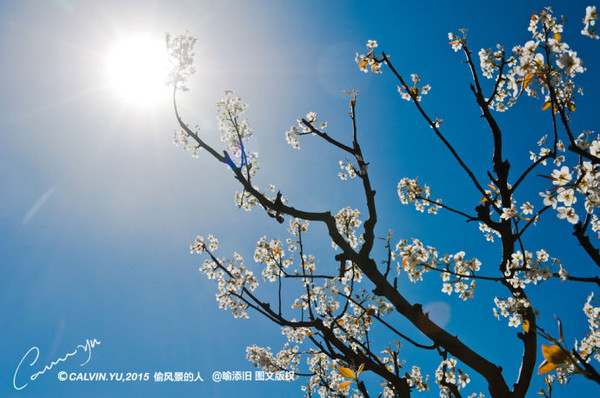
<point>137,70</point>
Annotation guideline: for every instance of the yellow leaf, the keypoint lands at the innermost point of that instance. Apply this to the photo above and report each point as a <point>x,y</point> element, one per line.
<point>572,107</point>
<point>546,105</point>
<point>344,384</point>
<point>340,322</point>
<point>493,188</point>
<point>526,326</point>
<point>363,64</point>
<point>484,199</point>
<point>360,369</point>
<point>527,79</point>
<point>346,372</point>
<point>554,355</point>
<point>546,367</point>
<point>557,36</point>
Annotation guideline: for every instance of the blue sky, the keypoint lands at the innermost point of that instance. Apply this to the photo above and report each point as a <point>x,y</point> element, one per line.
<point>98,207</point>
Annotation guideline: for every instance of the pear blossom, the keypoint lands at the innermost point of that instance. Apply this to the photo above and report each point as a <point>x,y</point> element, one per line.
<point>591,16</point>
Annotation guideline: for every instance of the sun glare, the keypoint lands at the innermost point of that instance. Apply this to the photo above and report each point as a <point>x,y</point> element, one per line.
<point>137,70</point>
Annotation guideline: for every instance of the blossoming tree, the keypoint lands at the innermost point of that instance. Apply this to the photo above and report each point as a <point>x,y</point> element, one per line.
<point>337,310</point>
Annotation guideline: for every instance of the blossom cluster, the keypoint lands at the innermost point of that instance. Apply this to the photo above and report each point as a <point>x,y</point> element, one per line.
<point>456,271</point>
<point>512,308</point>
<point>544,151</point>
<point>488,232</point>
<point>323,300</point>
<point>524,269</point>
<point>544,60</point>
<point>589,347</point>
<point>369,61</point>
<point>417,259</point>
<point>349,170</point>
<point>324,376</point>
<point>235,131</point>
<point>415,92</point>
<point>448,373</point>
<point>182,139</point>
<point>296,334</point>
<point>416,380</point>
<point>459,279</point>
<point>458,42</point>
<point>231,275</point>
<point>347,220</point>
<point>245,200</point>
<point>589,22</point>
<point>272,255</point>
<point>410,191</point>
<point>200,244</point>
<point>232,280</point>
<point>297,226</point>
<point>181,56</point>
<point>286,359</point>
<point>301,128</point>
<point>581,180</point>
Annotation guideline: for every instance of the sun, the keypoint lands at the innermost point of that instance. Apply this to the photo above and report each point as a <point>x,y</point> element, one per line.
<point>137,70</point>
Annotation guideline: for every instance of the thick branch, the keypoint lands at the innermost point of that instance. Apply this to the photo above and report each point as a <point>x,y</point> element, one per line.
<point>585,242</point>
<point>415,314</point>
<point>500,167</point>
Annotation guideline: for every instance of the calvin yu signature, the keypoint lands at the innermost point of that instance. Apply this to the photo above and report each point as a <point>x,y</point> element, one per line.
<point>34,353</point>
